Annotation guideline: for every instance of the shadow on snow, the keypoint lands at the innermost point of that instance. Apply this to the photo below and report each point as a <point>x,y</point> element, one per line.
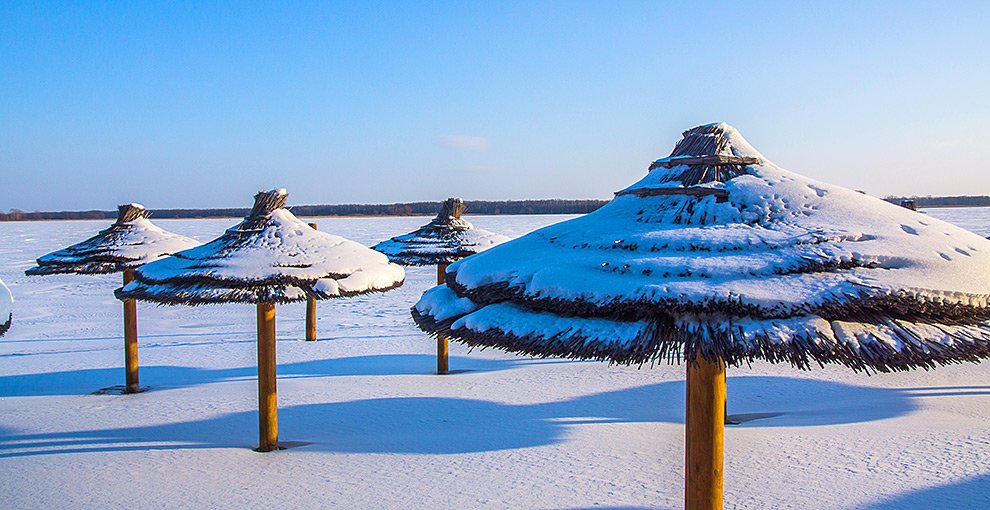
<point>435,425</point>
<point>84,381</point>
<point>969,493</point>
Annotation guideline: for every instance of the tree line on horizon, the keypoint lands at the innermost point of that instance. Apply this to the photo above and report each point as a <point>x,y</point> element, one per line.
<point>475,207</point>
<point>954,201</point>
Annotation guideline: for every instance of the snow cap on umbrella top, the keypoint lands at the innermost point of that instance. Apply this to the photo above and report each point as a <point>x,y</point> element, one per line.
<point>129,242</point>
<point>445,239</point>
<point>719,252</point>
<point>6,308</point>
<point>270,256</point>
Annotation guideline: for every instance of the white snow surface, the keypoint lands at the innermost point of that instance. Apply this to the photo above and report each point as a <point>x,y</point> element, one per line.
<point>372,428</point>
<point>285,247</point>
<point>139,242</point>
<point>6,305</point>
<point>752,248</point>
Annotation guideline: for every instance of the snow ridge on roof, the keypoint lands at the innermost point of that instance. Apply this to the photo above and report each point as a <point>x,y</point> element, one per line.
<point>6,308</point>
<point>445,239</point>
<point>270,256</point>
<point>752,263</point>
<point>131,241</point>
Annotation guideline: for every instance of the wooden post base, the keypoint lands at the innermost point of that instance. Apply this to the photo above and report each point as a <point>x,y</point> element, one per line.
<point>267,395</point>
<point>704,435</point>
<point>311,312</point>
<point>442,360</point>
<point>443,346</point>
<point>311,320</point>
<point>130,340</point>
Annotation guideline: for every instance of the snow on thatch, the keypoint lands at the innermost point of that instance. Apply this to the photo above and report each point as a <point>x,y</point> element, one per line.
<point>131,241</point>
<point>719,252</point>
<point>6,308</point>
<point>446,239</point>
<point>271,256</point>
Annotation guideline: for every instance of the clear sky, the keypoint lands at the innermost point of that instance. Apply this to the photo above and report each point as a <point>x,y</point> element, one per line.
<point>201,104</point>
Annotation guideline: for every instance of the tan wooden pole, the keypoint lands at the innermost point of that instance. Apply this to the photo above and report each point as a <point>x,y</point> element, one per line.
<point>443,345</point>
<point>267,396</point>
<point>130,340</point>
<point>704,434</point>
<point>311,312</point>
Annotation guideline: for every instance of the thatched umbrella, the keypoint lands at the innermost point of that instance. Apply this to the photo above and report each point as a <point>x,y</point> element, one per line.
<point>6,308</point>
<point>446,239</point>
<point>270,257</point>
<point>131,241</point>
<point>720,257</point>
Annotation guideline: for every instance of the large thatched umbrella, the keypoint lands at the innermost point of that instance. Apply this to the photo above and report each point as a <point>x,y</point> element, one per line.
<point>130,242</point>
<point>6,308</point>
<point>270,257</point>
<point>720,257</point>
<point>446,239</point>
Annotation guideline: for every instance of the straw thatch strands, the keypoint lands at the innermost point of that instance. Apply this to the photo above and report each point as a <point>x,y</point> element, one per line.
<point>720,257</point>
<point>270,257</point>
<point>130,242</point>
<point>6,308</point>
<point>448,238</point>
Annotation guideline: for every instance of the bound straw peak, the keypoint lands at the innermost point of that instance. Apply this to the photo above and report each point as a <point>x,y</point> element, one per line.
<point>127,213</point>
<point>267,201</point>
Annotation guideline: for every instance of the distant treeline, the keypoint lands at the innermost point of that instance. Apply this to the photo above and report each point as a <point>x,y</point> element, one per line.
<point>960,201</point>
<point>476,207</point>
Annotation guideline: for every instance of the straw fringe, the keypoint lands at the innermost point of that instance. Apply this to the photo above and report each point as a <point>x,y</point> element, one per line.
<point>847,307</point>
<point>202,291</point>
<point>663,341</point>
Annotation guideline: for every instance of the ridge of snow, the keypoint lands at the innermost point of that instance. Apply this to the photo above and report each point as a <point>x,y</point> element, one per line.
<point>285,248</point>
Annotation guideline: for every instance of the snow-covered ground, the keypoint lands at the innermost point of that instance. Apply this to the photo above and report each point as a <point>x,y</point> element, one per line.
<point>371,427</point>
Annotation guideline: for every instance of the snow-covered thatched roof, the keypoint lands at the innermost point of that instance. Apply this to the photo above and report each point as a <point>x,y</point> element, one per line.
<point>719,252</point>
<point>130,242</point>
<point>446,239</point>
<point>6,308</point>
<point>271,256</point>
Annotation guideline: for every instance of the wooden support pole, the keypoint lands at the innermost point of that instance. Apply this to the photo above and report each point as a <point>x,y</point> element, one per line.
<point>704,433</point>
<point>267,395</point>
<point>311,312</point>
<point>443,345</point>
<point>130,340</point>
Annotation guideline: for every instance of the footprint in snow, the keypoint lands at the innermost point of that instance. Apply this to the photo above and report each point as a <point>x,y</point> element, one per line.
<point>820,191</point>
<point>909,230</point>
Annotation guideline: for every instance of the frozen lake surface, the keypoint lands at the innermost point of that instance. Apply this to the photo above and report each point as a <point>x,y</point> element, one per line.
<point>371,427</point>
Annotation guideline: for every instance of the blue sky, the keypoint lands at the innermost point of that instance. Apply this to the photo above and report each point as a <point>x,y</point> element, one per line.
<point>201,104</point>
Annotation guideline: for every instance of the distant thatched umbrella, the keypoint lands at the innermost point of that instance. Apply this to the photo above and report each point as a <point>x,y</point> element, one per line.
<point>6,308</point>
<point>448,238</point>
<point>721,257</point>
<point>130,242</point>
<point>270,257</point>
